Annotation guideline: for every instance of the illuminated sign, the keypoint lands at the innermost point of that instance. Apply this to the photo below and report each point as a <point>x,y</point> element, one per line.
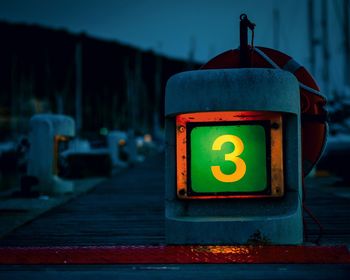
<point>229,155</point>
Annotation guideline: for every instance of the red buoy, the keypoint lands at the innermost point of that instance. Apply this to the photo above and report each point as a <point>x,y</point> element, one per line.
<point>313,112</point>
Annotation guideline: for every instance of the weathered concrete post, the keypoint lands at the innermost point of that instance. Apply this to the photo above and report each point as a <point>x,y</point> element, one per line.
<point>218,193</point>
<point>113,143</point>
<point>45,130</point>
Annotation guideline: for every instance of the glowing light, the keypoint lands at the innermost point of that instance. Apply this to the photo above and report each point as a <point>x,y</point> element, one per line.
<point>241,168</point>
<point>122,142</point>
<point>220,162</point>
<point>240,250</point>
<point>147,138</point>
<point>104,131</point>
<point>229,155</point>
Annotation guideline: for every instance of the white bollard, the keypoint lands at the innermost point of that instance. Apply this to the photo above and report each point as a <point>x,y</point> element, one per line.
<point>45,129</point>
<point>114,139</point>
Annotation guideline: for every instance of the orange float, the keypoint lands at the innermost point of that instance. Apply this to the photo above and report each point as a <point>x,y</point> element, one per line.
<point>313,112</point>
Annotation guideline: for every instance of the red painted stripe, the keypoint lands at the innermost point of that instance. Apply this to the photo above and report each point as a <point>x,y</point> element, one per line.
<point>175,255</point>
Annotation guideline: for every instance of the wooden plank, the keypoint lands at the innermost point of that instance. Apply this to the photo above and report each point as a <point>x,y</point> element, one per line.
<point>129,209</point>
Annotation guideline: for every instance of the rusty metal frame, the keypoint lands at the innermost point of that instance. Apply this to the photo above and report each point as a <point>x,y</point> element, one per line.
<point>276,136</point>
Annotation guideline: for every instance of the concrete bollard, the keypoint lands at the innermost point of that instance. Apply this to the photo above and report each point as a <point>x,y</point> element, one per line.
<point>115,139</point>
<point>233,216</point>
<point>132,148</point>
<point>45,132</point>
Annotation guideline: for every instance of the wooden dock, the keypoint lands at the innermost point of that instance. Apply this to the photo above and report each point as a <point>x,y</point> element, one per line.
<point>128,209</point>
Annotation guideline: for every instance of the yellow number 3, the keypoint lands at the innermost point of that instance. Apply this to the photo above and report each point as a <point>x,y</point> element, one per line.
<point>240,164</point>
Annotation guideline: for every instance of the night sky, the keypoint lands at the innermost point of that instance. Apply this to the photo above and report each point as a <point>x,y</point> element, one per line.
<point>175,27</point>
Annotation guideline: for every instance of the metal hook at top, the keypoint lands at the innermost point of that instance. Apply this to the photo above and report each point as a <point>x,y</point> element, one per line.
<point>245,23</point>
<point>243,16</point>
<point>244,19</point>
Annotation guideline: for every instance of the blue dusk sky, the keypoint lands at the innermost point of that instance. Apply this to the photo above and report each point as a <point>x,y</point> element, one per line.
<point>174,27</point>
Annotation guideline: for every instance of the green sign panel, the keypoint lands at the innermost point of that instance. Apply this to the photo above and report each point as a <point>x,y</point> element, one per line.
<point>228,158</point>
